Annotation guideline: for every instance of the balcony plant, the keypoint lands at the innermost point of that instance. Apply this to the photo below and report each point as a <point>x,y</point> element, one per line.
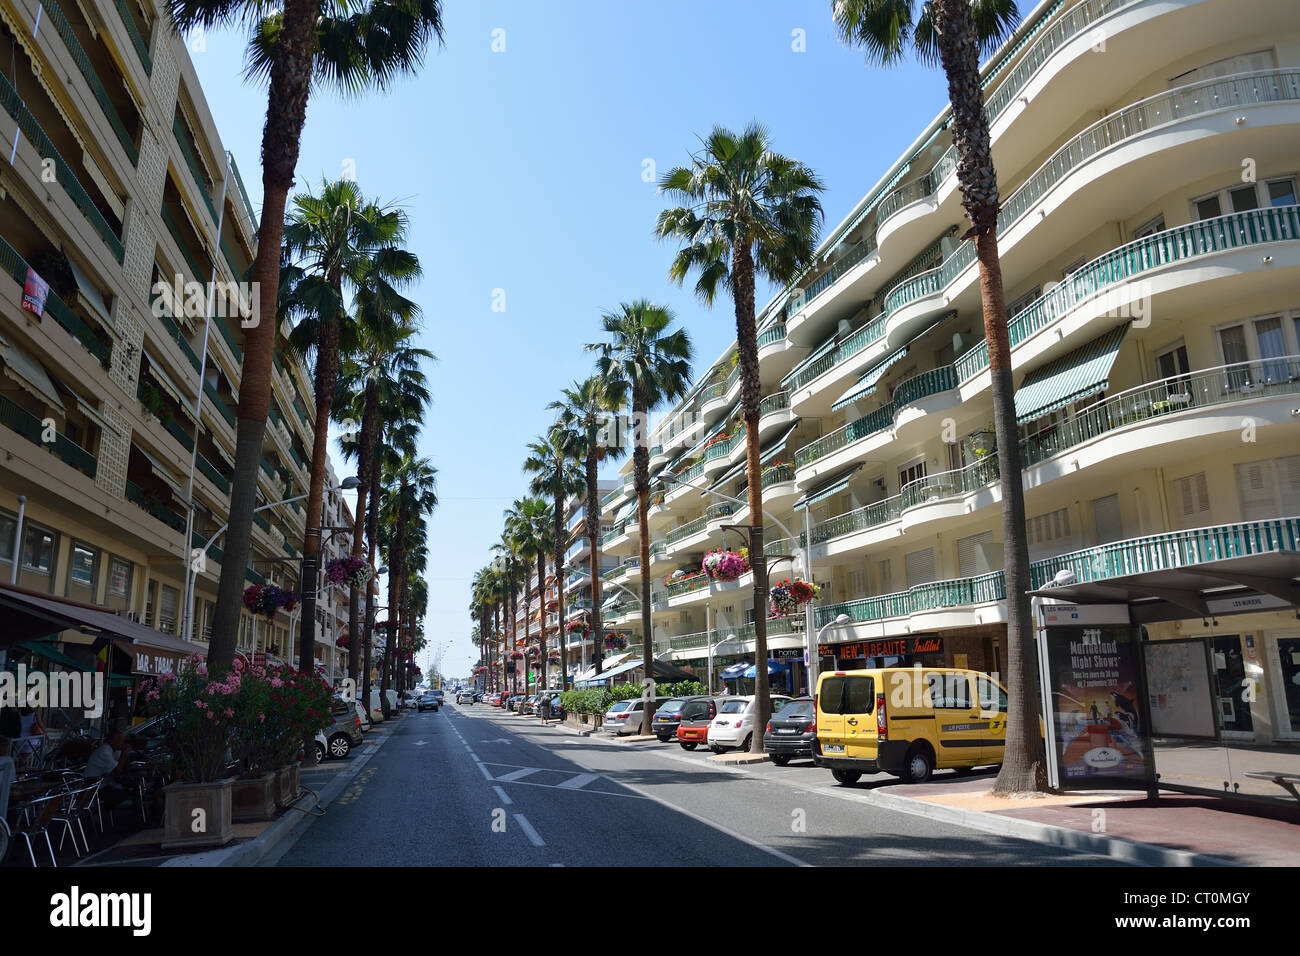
<point>268,599</point>
<point>723,565</point>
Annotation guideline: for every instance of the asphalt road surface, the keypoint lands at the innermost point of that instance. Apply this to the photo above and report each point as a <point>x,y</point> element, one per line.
<point>471,785</point>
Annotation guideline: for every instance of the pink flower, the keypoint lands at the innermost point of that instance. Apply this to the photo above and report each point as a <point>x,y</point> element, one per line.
<point>228,712</point>
<point>200,704</point>
<point>202,670</point>
<point>261,717</point>
<point>238,664</point>
<point>276,682</point>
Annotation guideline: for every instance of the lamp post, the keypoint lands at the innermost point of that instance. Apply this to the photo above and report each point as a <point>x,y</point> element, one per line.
<point>596,638</point>
<point>712,648</point>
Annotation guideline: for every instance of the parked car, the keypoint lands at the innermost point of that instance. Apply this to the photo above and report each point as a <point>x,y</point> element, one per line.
<point>362,716</point>
<point>411,698</point>
<point>669,715</point>
<point>338,739</point>
<point>465,697</point>
<point>734,726</point>
<point>428,702</point>
<point>697,715</point>
<point>889,719</point>
<point>515,702</point>
<point>526,707</point>
<point>376,708</point>
<point>792,732</point>
<point>556,711</point>
<point>393,702</point>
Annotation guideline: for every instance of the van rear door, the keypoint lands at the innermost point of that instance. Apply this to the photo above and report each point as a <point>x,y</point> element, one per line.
<point>860,732</point>
<point>830,718</point>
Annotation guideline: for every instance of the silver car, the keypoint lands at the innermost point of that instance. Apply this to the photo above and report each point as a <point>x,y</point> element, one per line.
<point>624,718</point>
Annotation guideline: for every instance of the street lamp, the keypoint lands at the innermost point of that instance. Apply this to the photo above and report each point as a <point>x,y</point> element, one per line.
<point>813,660</point>
<point>712,648</point>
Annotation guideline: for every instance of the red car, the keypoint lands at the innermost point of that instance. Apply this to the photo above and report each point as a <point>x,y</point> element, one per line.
<point>694,727</point>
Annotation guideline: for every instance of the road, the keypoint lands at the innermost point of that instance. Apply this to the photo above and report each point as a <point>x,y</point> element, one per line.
<point>470,785</point>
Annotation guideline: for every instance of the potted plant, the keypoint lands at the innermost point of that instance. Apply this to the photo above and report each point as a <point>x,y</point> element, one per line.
<point>723,565</point>
<point>788,596</point>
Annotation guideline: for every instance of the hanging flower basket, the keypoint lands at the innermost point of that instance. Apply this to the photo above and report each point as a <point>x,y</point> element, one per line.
<point>344,642</point>
<point>788,596</point>
<point>352,571</point>
<point>481,670</point>
<point>267,599</point>
<point>516,655</point>
<point>532,652</point>
<point>726,565</point>
<point>615,642</point>
<point>573,627</point>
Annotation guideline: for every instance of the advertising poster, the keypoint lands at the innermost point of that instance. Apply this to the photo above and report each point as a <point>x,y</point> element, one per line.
<point>35,290</point>
<point>1097,705</point>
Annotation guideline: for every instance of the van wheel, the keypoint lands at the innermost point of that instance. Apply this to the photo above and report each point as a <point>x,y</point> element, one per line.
<point>847,777</point>
<point>686,746</point>
<point>919,764</point>
<point>780,759</point>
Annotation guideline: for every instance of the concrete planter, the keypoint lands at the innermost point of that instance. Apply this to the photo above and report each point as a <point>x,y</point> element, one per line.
<point>197,815</point>
<point>288,784</point>
<point>254,799</point>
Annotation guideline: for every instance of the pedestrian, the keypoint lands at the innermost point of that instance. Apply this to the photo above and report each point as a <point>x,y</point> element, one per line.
<point>544,707</point>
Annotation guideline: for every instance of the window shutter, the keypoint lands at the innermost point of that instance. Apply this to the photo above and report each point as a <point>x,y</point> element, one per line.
<point>1106,514</point>
<point>1257,490</point>
<point>920,567</point>
<point>970,554</point>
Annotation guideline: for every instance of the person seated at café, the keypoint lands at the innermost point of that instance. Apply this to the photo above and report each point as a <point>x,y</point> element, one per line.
<point>30,723</point>
<point>106,763</point>
<point>7,774</point>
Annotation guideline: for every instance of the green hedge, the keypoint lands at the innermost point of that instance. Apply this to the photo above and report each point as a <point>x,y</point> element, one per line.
<point>597,700</point>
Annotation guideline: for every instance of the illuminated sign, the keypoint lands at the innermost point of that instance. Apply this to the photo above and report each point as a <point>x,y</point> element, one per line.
<point>890,647</point>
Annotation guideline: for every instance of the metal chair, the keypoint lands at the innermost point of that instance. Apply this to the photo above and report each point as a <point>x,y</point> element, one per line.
<point>47,807</point>
<point>69,802</point>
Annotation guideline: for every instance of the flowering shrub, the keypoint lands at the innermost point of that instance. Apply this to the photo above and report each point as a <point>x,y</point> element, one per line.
<point>787,597</point>
<point>516,655</point>
<point>726,565</point>
<point>267,599</point>
<point>352,571</point>
<point>197,716</point>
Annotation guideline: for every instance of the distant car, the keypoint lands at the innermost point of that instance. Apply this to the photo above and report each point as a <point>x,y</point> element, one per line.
<point>428,702</point>
<point>411,698</point>
<point>734,726</point>
<point>393,702</point>
<point>478,697</point>
<point>516,702</point>
<point>624,718</point>
<point>465,697</point>
<point>338,739</point>
<point>693,728</point>
<point>440,694</point>
<point>556,711</point>
<point>376,708</point>
<point>792,732</point>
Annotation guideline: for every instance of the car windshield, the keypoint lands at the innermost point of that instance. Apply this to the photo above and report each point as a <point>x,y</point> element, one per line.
<point>734,707</point>
<point>672,707</point>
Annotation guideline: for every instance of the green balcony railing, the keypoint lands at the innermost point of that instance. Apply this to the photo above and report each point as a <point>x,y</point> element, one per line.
<point>261,522</point>
<point>771,335</point>
<point>219,404</point>
<point>773,403</point>
<point>243,191</point>
<point>685,531</point>
<point>617,531</point>
<point>195,269</point>
<point>18,419</point>
<point>213,474</point>
<point>859,519</point>
<point>16,266</point>
<point>689,475</point>
<point>692,582</point>
<point>174,333</point>
<point>823,361</point>
<point>713,392</point>
<point>252,577</point>
<point>192,161</point>
<point>869,424</point>
<point>716,512</point>
<point>1258,227</point>
<point>135,494</point>
<point>905,195</point>
<point>930,382</point>
<point>658,547</point>
<point>26,121</point>
<point>61,25</point>
<point>776,474</point>
<point>935,595</point>
<point>137,40</point>
<point>949,484</point>
<point>180,433</point>
<point>214,553</point>
<point>859,253</point>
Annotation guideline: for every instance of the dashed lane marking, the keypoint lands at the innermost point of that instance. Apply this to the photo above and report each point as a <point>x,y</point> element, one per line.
<point>505,797</point>
<point>533,836</point>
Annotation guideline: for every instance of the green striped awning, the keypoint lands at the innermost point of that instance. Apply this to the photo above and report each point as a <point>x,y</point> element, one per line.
<point>811,357</point>
<point>1070,377</point>
<point>775,447</point>
<point>832,486</point>
<point>865,385</point>
<point>50,652</point>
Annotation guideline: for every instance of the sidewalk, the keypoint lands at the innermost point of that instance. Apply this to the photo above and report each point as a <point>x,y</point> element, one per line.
<point>1176,830</point>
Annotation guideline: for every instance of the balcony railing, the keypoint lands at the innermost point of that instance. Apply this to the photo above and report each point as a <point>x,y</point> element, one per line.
<point>692,582</point>
<point>948,484</point>
<point>18,419</point>
<point>685,531</point>
<point>930,382</point>
<point>905,195</point>
<point>243,191</point>
<point>17,109</point>
<point>16,266</point>
<point>137,40</point>
<point>711,392</point>
<point>174,333</point>
<point>776,474</point>
<point>721,510</point>
<point>213,475</point>
<point>773,403</point>
<point>195,269</point>
<point>775,333</point>
<point>1233,231</point>
<point>135,494</point>
<point>935,595</point>
<point>617,531</point>
<point>869,424</point>
<point>196,173</point>
<point>860,252</point>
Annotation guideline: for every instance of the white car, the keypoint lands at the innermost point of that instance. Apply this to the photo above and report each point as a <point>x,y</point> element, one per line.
<point>734,726</point>
<point>376,709</point>
<point>364,717</point>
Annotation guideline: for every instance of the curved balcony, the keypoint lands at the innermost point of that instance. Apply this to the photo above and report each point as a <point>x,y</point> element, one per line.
<point>658,457</point>
<point>872,424</point>
<point>681,488</point>
<point>852,266</point>
<point>774,414</point>
<point>692,586</point>
<point>915,398</point>
<point>713,400</point>
<point>693,532</point>
<point>779,487</point>
<point>948,494</point>
<point>719,514</point>
<point>1145,256</point>
<point>658,514</point>
<point>717,454</point>
<point>658,552</point>
<point>902,217</point>
<point>955,594</point>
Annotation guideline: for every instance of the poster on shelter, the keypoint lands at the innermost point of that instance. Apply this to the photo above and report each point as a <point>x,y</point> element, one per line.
<point>1097,705</point>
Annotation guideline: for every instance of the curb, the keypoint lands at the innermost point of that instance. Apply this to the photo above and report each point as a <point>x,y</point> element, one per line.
<point>290,825</point>
<point>1116,848</point>
<point>739,760</point>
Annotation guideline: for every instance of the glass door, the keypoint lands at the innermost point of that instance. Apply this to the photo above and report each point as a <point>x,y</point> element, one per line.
<point>1287,675</point>
<point>1234,696</point>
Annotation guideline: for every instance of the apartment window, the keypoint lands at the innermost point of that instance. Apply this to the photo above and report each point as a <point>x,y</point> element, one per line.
<point>1150,227</point>
<point>1048,534</point>
<point>83,573</point>
<point>1265,342</point>
<point>1022,302</point>
<point>167,605</point>
<point>920,567</point>
<point>1107,520</point>
<point>1269,488</point>
<point>1190,499</point>
<point>118,593</point>
<point>1172,361</point>
<point>913,471</point>
<point>1073,267</point>
<point>1243,197</point>
<point>973,554</point>
<point>150,603</point>
<point>857,582</point>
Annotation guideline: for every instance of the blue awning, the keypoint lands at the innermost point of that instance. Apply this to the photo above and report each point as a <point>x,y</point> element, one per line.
<point>735,671</point>
<point>832,486</point>
<point>612,672</point>
<point>1072,376</point>
<point>865,385</point>
<point>773,667</point>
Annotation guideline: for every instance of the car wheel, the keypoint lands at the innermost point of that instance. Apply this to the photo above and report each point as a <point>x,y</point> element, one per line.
<point>686,746</point>
<point>749,739</point>
<point>847,777</point>
<point>780,759</point>
<point>663,739</point>
<point>718,750</point>
<point>340,746</point>
<point>919,765</point>
<point>320,752</point>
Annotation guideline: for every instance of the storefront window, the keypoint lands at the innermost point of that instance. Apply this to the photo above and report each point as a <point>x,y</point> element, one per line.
<point>1288,655</point>
<point>1229,668</point>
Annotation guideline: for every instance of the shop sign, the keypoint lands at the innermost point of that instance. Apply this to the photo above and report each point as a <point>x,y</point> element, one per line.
<point>154,664</point>
<point>786,654</point>
<point>894,646</point>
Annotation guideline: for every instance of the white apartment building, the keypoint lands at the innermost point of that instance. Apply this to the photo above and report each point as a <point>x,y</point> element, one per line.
<point>1147,153</point>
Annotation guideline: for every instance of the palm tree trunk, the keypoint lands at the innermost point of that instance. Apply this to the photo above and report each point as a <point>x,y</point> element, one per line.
<point>372,534</point>
<point>559,580</point>
<point>365,459</point>
<point>641,472</point>
<point>541,620</point>
<point>1023,766</point>
<point>285,112</point>
<point>593,541</point>
<point>747,354</point>
<point>514,626</point>
<point>327,357</point>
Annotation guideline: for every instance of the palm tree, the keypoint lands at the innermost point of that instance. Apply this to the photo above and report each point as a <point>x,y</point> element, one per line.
<point>335,244</point>
<point>586,410</point>
<point>953,33</point>
<point>410,493</point>
<point>385,368</point>
<point>645,362</point>
<point>553,463</point>
<point>351,48</point>
<point>745,209</point>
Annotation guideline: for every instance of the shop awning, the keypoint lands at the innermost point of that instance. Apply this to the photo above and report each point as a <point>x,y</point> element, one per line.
<point>773,667</point>
<point>865,385</point>
<point>29,373</point>
<point>1070,377</point>
<point>735,671</point>
<point>50,652</point>
<point>811,357</point>
<point>29,615</point>
<point>626,511</point>
<point>613,671</point>
<point>831,486</point>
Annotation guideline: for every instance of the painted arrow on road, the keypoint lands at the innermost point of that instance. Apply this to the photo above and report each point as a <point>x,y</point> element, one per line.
<point>499,740</point>
<point>421,743</point>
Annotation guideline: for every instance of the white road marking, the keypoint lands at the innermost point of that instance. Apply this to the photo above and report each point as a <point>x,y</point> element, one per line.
<point>578,782</point>
<point>517,774</point>
<point>533,836</point>
<point>505,797</point>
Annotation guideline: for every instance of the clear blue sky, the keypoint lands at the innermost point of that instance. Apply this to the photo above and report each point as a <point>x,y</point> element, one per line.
<point>522,171</point>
